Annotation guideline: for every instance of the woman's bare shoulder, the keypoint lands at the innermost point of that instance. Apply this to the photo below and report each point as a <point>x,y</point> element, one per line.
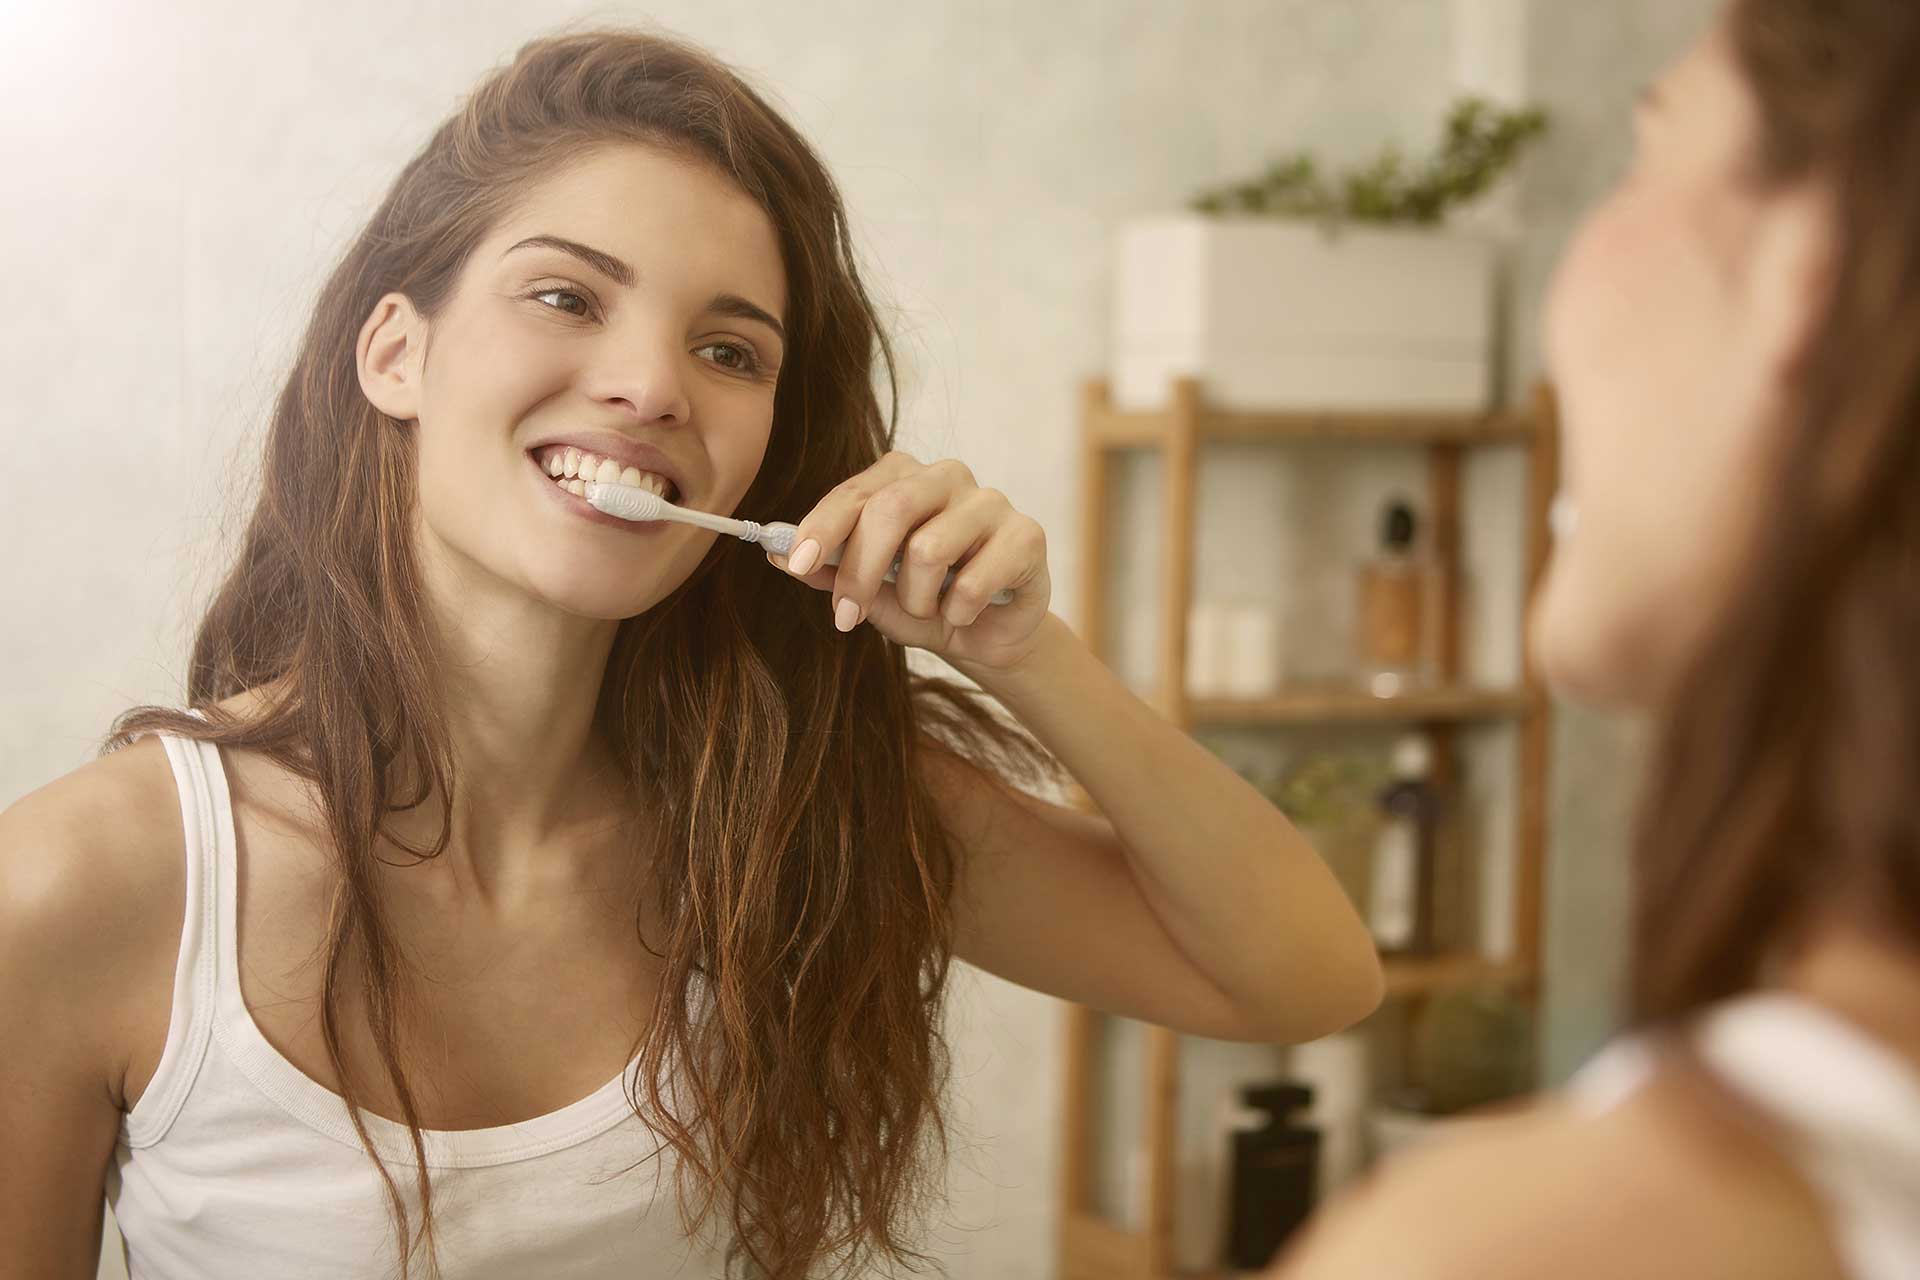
<point>93,886</point>
<point>94,829</point>
<point>1673,1181</point>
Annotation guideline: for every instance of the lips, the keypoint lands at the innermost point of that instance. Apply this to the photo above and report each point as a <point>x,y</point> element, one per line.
<point>623,450</point>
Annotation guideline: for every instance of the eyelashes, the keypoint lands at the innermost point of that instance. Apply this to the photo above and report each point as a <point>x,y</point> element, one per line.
<point>749,363</point>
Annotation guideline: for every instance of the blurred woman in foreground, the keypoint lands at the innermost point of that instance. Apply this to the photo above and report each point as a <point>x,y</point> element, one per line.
<point>1736,337</point>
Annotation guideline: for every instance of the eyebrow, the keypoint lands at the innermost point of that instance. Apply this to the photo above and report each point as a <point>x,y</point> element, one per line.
<point>732,304</point>
<point>725,304</point>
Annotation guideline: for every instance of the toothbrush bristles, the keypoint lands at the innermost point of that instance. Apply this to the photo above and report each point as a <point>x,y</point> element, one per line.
<point>643,505</point>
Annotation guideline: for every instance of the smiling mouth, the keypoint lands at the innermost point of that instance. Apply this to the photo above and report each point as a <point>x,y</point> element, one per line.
<point>573,469</point>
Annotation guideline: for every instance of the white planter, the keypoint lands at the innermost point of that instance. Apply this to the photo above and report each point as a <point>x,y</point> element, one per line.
<point>1274,313</point>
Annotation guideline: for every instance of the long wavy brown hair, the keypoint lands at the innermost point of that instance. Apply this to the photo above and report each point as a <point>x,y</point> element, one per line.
<point>1789,760</point>
<point>804,873</point>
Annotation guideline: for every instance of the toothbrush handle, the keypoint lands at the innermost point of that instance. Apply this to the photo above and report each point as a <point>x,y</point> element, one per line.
<point>1002,596</point>
<point>778,536</point>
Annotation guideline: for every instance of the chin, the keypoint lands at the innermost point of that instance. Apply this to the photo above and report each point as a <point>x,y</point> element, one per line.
<point>600,607</point>
<point>1584,655</point>
<point>588,597</point>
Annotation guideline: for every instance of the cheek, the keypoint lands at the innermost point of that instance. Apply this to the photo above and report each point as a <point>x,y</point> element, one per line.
<point>738,452</point>
<point>486,368</point>
<point>1636,326</point>
<point>1599,305</point>
<point>482,381</point>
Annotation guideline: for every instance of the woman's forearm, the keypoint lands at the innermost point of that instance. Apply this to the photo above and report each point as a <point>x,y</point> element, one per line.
<point>1242,893</point>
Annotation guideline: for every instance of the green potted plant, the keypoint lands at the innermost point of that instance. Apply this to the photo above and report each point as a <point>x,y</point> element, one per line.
<point>1472,1048</point>
<point>1296,289</point>
<point>1330,798</point>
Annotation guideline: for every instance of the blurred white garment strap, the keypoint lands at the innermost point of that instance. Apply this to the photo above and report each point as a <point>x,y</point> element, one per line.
<point>1850,1108</point>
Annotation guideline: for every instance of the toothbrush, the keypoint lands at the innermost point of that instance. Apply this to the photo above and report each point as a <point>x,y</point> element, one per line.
<point>630,503</point>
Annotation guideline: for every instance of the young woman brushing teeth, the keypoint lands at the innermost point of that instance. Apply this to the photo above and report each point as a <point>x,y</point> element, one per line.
<point>488,801</point>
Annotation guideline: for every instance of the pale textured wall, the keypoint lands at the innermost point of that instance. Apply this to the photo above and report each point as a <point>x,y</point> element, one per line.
<point>181,176</point>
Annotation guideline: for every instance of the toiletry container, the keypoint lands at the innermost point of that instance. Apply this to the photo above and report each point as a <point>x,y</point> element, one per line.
<point>1400,889</point>
<point>1275,1164</point>
<point>1233,649</point>
<point>1207,649</point>
<point>1253,669</point>
<point>1336,1069</point>
<point>1398,592</point>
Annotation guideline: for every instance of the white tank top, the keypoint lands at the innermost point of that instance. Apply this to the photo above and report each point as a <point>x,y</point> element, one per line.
<point>1848,1107</point>
<point>235,1164</point>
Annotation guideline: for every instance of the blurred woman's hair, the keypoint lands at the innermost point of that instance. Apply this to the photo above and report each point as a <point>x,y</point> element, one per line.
<point>1788,772</point>
<point>804,873</point>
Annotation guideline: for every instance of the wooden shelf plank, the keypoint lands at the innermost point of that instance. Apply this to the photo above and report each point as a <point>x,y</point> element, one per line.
<point>1348,705</point>
<point>1386,428</point>
<point>1114,428</point>
<point>1094,1249</point>
<point>1438,973</point>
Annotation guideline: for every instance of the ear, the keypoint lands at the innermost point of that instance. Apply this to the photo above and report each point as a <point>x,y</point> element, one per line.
<point>390,355</point>
<point>1792,272</point>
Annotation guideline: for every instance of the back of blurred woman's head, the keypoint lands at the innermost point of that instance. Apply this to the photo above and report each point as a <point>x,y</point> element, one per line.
<point>1785,780</point>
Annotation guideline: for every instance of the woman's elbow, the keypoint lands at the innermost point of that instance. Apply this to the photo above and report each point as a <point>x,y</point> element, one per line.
<point>1354,992</point>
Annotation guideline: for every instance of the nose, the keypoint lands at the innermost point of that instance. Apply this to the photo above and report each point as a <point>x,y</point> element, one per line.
<point>645,382</point>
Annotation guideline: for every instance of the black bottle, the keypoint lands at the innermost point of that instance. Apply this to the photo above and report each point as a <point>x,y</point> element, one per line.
<point>1274,1176</point>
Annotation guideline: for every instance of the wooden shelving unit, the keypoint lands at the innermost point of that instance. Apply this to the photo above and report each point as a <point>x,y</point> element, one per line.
<point>1091,1247</point>
<point>1351,706</point>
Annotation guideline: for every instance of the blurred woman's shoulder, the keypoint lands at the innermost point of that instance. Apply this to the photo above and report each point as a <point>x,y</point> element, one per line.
<point>1677,1179</point>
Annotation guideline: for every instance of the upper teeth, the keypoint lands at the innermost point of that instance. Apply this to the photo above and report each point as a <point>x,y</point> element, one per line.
<point>569,463</point>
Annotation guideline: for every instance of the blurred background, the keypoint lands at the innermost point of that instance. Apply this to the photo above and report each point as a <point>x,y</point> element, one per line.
<point>1021,180</point>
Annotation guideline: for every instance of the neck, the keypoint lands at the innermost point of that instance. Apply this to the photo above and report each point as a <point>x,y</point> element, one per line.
<point>1864,973</point>
<point>537,803</point>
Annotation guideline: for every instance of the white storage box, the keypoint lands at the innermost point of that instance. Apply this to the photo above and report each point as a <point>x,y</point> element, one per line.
<point>1273,313</point>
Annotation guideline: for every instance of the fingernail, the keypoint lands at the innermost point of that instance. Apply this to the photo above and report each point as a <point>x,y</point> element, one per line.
<point>846,615</point>
<point>801,561</point>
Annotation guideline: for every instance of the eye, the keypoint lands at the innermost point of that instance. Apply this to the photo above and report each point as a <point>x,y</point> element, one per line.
<point>580,306</point>
<point>742,358</point>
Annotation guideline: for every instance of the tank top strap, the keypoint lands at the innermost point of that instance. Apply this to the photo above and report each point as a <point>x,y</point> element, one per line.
<point>1852,1106</point>
<point>224,883</point>
<point>1614,1073</point>
<point>1847,1109</point>
<point>197,978</point>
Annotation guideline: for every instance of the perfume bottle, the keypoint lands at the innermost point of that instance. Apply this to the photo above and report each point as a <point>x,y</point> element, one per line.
<point>1397,596</point>
<point>1275,1178</point>
<point>1400,891</point>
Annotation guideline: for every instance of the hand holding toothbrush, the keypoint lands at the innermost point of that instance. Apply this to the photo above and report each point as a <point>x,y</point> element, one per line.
<point>920,551</point>
<point>934,518</point>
